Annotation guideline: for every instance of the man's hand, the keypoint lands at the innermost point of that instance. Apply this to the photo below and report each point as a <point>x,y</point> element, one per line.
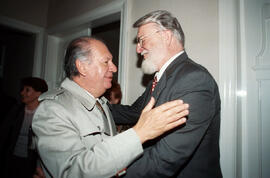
<point>154,122</point>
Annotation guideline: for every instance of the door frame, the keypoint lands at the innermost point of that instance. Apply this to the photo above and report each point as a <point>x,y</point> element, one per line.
<point>228,57</point>
<point>38,66</point>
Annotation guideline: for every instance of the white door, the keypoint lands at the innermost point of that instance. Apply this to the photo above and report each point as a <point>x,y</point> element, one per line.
<point>244,48</point>
<point>254,83</point>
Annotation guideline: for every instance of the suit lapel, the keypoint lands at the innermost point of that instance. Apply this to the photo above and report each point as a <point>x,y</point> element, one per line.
<point>167,74</point>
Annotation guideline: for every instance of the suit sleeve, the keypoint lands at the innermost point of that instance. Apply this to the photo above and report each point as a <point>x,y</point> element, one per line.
<point>125,114</point>
<point>172,151</point>
<point>63,151</point>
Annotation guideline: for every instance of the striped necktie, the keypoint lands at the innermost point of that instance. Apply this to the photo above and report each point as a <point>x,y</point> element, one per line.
<point>154,84</point>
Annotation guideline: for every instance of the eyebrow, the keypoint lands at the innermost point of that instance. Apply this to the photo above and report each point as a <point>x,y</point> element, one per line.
<point>140,37</point>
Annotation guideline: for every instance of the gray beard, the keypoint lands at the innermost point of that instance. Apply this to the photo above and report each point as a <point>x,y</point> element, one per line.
<point>148,67</point>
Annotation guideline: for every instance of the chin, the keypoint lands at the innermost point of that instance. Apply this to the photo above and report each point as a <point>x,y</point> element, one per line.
<point>148,67</point>
<point>108,85</point>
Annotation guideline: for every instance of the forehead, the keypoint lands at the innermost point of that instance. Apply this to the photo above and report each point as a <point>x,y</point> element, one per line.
<point>142,30</point>
<point>29,88</point>
<point>100,49</point>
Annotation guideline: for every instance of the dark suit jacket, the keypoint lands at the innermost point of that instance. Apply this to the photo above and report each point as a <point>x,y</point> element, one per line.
<point>9,132</point>
<point>191,150</point>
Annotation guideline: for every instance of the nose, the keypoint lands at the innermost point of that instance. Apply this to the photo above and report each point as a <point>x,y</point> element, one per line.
<point>113,68</point>
<point>139,49</point>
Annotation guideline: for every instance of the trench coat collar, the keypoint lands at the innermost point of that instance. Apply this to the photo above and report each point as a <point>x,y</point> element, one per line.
<point>87,100</point>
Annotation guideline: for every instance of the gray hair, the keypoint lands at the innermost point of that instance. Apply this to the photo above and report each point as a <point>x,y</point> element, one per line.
<point>165,21</point>
<point>79,48</point>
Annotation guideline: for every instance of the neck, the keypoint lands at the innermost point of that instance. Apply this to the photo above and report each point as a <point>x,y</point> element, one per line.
<point>171,52</point>
<point>84,84</point>
<point>33,105</point>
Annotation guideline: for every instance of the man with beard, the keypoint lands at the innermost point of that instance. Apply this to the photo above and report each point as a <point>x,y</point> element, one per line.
<point>191,150</point>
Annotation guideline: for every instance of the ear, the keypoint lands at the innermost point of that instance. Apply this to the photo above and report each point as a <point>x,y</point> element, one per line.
<point>117,101</point>
<point>37,94</point>
<point>80,67</point>
<point>168,36</point>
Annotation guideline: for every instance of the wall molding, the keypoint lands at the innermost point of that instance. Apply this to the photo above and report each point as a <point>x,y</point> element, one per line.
<point>262,62</point>
<point>228,55</point>
<point>123,55</point>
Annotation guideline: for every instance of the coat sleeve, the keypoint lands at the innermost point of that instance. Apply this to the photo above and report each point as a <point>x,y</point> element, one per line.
<point>64,152</point>
<point>171,152</point>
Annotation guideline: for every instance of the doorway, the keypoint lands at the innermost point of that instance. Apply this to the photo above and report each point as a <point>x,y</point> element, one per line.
<point>110,34</point>
<point>17,50</point>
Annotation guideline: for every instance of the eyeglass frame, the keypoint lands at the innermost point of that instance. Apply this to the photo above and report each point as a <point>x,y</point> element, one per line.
<point>140,39</point>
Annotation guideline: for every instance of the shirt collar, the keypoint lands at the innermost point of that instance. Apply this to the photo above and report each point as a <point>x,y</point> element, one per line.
<point>164,67</point>
<point>101,100</point>
<point>82,94</point>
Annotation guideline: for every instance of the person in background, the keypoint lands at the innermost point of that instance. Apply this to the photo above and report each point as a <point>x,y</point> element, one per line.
<point>73,126</point>
<point>191,150</point>
<point>114,95</point>
<point>18,156</point>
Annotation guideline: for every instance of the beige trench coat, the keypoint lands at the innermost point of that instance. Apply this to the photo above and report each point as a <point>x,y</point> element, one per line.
<point>73,140</point>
